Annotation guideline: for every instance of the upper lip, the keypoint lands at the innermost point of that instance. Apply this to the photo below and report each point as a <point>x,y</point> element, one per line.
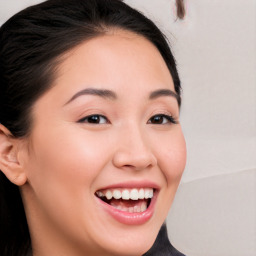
<point>132,184</point>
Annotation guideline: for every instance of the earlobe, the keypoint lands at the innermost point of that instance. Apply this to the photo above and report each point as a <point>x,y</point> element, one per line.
<point>9,162</point>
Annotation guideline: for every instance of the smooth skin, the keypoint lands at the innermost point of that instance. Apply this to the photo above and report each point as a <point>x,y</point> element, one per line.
<point>82,140</point>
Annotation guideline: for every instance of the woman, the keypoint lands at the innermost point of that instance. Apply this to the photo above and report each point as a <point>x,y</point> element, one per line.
<point>91,149</point>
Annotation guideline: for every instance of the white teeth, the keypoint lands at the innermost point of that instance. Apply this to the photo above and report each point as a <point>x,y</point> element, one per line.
<point>117,194</point>
<point>99,194</point>
<point>146,194</point>
<point>134,194</point>
<point>108,194</point>
<point>151,193</point>
<point>134,209</point>
<point>143,207</point>
<point>141,193</point>
<point>126,194</point>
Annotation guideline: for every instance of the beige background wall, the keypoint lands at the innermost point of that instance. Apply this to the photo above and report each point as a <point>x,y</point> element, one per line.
<point>214,213</point>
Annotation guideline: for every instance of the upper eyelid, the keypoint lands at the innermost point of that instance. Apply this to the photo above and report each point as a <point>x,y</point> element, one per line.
<point>163,112</point>
<point>167,116</point>
<point>87,112</point>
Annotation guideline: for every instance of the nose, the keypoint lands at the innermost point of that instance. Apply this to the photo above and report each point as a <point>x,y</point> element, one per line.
<point>134,151</point>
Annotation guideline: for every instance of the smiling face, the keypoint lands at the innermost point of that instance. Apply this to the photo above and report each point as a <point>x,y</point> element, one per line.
<point>106,151</point>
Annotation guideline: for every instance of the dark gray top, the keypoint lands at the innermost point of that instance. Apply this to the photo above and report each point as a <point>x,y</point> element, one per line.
<point>162,245</point>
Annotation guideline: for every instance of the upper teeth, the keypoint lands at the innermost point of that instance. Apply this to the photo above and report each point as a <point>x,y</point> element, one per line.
<point>126,194</point>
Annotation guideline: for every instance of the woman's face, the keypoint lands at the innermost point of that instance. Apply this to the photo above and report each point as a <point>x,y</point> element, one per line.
<point>107,128</point>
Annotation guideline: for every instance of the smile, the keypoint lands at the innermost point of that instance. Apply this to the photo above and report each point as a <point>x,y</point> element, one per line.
<point>132,200</point>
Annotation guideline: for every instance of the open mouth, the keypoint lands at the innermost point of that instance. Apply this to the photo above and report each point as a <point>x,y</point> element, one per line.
<point>127,200</point>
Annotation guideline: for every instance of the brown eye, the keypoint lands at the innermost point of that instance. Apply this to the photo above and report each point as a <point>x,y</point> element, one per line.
<point>157,120</point>
<point>94,119</point>
<point>161,119</point>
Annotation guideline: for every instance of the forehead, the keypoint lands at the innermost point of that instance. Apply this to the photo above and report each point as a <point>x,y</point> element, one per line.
<point>120,61</point>
<point>118,54</point>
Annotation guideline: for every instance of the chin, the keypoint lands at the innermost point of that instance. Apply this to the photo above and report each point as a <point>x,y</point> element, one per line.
<point>131,243</point>
<point>130,249</point>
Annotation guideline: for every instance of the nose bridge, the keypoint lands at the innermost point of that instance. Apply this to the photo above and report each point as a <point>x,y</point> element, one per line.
<point>136,139</point>
<point>134,148</point>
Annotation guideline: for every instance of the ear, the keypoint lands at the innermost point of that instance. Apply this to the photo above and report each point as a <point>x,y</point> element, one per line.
<point>9,157</point>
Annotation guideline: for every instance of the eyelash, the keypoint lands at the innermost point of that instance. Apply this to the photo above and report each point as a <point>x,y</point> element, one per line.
<point>96,119</point>
<point>169,118</point>
<point>86,119</point>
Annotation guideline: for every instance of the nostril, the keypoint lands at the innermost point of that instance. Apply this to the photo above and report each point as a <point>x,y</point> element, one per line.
<point>128,166</point>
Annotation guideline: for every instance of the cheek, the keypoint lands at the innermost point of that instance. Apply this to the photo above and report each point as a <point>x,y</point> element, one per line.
<point>172,157</point>
<point>65,159</point>
<point>62,170</point>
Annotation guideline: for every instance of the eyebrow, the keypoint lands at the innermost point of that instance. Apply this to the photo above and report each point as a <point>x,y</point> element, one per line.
<point>108,94</point>
<point>93,91</point>
<point>165,92</point>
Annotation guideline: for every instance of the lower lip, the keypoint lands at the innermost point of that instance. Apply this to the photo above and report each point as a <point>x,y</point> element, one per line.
<point>128,218</point>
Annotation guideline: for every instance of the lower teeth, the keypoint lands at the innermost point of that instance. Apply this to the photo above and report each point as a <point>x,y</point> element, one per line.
<point>132,209</point>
